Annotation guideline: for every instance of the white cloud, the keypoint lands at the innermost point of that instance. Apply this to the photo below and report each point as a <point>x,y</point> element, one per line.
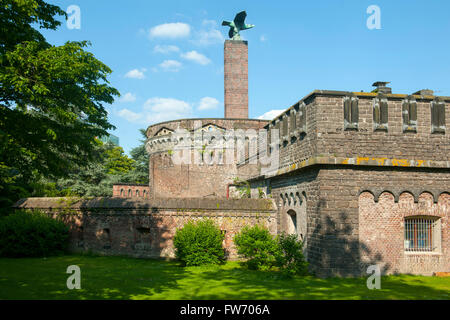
<point>170,30</point>
<point>271,114</point>
<point>165,49</point>
<point>130,115</point>
<point>211,23</point>
<point>157,110</point>
<point>209,37</point>
<point>128,97</point>
<point>208,103</point>
<point>169,105</point>
<point>136,74</point>
<point>209,34</point>
<point>170,65</point>
<point>196,57</point>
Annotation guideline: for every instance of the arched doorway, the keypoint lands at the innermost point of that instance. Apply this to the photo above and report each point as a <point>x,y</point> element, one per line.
<point>292,222</point>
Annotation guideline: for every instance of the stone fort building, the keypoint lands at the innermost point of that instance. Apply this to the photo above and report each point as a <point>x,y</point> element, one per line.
<point>362,178</point>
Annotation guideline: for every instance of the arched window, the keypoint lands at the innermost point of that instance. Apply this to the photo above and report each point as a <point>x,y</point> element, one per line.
<point>122,193</point>
<point>129,193</point>
<point>137,193</point>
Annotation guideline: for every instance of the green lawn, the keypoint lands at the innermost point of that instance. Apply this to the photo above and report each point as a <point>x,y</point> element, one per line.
<point>127,278</point>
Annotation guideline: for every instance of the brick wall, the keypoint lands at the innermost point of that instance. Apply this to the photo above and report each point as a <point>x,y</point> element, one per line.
<point>125,190</point>
<point>325,134</point>
<point>382,229</point>
<point>116,226</point>
<point>335,244</point>
<point>365,142</point>
<point>168,179</point>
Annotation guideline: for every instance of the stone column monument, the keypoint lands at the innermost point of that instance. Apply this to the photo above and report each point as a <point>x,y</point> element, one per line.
<point>236,69</point>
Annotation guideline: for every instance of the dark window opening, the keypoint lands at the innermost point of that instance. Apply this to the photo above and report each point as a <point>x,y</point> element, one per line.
<point>409,115</point>
<point>380,113</point>
<point>351,113</point>
<point>293,125</point>
<point>438,116</point>
<point>105,237</point>
<point>285,128</point>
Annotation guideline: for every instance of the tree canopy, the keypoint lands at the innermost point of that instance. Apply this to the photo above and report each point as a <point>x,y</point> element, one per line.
<point>51,97</point>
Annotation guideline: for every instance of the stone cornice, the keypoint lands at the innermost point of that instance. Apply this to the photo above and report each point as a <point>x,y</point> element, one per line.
<point>358,161</point>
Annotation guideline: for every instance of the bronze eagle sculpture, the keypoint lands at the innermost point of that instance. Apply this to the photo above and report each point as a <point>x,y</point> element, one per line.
<point>237,25</point>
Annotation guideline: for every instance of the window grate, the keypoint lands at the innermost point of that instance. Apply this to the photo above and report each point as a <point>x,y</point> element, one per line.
<point>420,234</point>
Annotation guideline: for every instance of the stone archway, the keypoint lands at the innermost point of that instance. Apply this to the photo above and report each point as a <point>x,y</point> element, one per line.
<point>292,222</point>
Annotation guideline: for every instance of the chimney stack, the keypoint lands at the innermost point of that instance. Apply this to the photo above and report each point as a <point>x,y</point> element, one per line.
<point>381,87</point>
<point>424,92</point>
<point>236,79</point>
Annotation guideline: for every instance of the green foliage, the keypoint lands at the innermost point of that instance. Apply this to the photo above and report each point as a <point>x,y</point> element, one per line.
<point>289,255</point>
<point>258,246</point>
<point>140,172</point>
<point>17,17</point>
<point>243,187</point>
<point>116,162</point>
<point>110,165</point>
<point>51,99</point>
<point>261,194</point>
<point>199,243</point>
<point>24,234</point>
<point>262,251</point>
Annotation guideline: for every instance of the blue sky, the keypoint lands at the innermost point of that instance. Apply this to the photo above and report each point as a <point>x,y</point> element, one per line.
<point>167,56</point>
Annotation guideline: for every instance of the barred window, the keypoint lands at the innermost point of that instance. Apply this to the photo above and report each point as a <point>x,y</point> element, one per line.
<point>409,114</point>
<point>380,113</point>
<point>351,113</point>
<point>438,116</point>
<point>422,234</point>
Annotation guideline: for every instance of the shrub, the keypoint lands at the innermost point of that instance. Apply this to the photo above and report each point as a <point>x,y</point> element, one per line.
<point>289,256</point>
<point>257,245</point>
<point>25,234</point>
<point>199,243</point>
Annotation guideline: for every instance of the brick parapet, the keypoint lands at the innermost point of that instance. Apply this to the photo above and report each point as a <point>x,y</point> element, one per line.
<point>140,228</point>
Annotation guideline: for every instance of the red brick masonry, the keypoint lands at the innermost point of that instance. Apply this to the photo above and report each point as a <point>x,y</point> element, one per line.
<point>142,228</point>
<point>236,79</point>
<point>382,228</point>
<point>125,190</point>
